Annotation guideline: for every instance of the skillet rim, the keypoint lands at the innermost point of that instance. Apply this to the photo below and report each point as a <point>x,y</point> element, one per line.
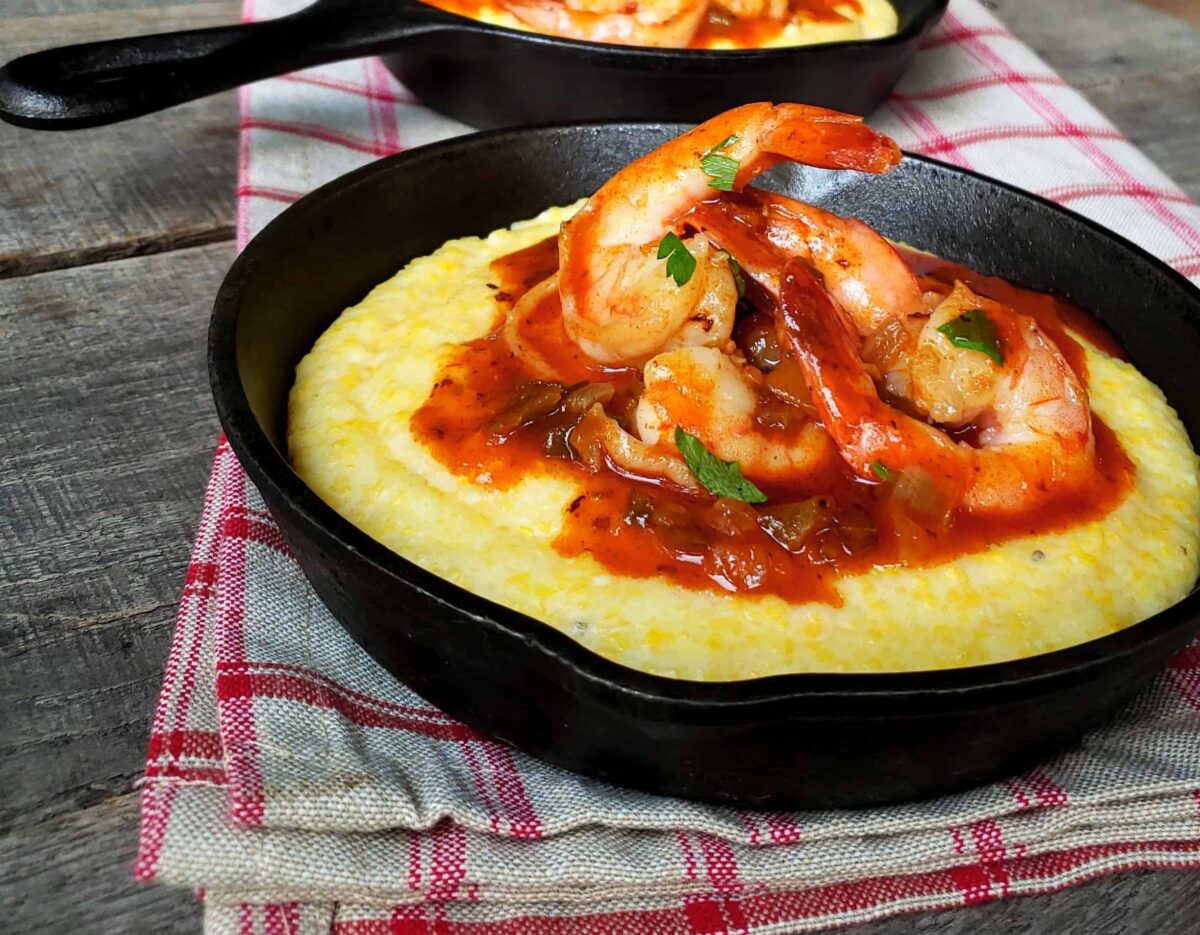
<point>928,15</point>
<point>267,465</point>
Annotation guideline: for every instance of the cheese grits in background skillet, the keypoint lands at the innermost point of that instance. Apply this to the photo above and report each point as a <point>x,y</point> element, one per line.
<point>482,75</point>
<point>801,740</point>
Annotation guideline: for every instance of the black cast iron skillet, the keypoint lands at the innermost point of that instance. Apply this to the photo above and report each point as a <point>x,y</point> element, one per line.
<point>791,740</point>
<point>485,76</point>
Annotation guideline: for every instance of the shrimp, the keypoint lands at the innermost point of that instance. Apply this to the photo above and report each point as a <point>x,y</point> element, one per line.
<point>943,383</point>
<point>610,273</point>
<point>1036,437</point>
<point>706,393</point>
<point>656,23</point>
<point>646,312</point>
<point>860,269</point>
<point>1032,413</point>
<point>883,303</point>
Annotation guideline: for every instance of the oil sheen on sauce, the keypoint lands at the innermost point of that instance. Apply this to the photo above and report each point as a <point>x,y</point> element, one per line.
<point>639,528</point>
<point>718,27</point>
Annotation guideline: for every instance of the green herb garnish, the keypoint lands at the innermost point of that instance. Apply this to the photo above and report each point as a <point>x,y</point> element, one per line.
<point>719,478</point>
<point>680,263</point>
<point>975,332</point>
<point>721,170</point>
<point>881,470</point>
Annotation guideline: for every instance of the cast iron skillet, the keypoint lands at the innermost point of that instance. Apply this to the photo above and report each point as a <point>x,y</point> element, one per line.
<point>485,76</point>
<point>791,740</point>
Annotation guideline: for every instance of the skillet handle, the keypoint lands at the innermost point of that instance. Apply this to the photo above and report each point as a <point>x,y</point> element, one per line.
<point>98,83</point>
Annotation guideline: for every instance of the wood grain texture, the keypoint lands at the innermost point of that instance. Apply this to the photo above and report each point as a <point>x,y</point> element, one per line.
<point>86,196</point>
<point>1184,9</point>
<point>109,432</point>
<point>108,436</point>
<point>1140,903</point>
<point>70,874</point>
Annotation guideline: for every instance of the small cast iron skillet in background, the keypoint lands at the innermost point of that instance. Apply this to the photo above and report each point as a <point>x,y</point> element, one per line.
<point>485,76</point>
<point>815,740</point>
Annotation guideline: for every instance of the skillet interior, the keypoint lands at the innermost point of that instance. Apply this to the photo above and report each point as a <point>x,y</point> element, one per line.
<point>487,76</point>
<point>793,740</point>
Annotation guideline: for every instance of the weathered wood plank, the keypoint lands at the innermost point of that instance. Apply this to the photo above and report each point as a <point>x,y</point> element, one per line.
<point>108,437</point>
<point>159,183</point>
<point>72,874</point>
<point>1139,66</point>
<point>1120,905</point>
<point>1184,9</point>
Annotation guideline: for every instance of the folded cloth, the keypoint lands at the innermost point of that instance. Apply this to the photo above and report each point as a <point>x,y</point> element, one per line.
<point>303,789</point>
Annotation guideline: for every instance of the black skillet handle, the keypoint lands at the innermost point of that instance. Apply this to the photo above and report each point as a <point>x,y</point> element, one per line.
<point>104,82</point>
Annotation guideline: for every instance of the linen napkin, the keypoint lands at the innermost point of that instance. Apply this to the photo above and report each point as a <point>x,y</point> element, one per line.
<point>302,789</point>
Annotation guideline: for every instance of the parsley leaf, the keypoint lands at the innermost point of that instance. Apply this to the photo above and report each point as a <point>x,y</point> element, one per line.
<point>881,470</point>
<point>975,332</point>
<point>680,263</point>
<point>719,478</point>
<point>721,170</point>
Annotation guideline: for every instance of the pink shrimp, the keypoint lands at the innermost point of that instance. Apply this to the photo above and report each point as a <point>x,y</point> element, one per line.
<point>859,268</point>
<point>1036,436</point>
<point>653,23</point>
<point>618,305</point>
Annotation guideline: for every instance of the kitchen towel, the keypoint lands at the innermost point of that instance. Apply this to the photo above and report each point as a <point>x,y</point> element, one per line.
<point>302,789</point>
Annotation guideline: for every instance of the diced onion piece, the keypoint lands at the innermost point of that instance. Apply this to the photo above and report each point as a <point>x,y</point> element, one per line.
<point>581,398</point>
<point>676,528</point>
<point>856,528</point>
<point>755,335</point>
<point>741,565</point>
<point>791,524</point>
<point>886,344</point>
<point>625,408</point>
<point>556,439</point>
<point>730,517</point>
<point>534,400</point>
<point>587,438</point>
<point>787,382</point>
<point>773,413</point>
<point>917,491</point>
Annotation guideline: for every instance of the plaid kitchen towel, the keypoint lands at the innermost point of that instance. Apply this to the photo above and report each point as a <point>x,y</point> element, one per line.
<point>303,790</point>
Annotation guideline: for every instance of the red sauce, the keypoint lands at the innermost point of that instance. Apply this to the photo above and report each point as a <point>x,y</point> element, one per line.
<point>519,272</point>
<point>642,529</point>
<point>753,32</point>
<point>747,32</point>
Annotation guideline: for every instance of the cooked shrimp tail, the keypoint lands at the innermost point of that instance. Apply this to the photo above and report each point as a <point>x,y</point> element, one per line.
<point>859,268</point>
<point>1035,439</point>
<point>813,136</point>
<point>867,431</point>
<point>611,271</point>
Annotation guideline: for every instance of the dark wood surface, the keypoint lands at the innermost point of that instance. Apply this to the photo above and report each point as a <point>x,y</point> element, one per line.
<point>112,245</point>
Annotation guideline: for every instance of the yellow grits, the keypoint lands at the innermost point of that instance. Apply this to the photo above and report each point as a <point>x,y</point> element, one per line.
<point>877,19</point>
<point>349,439</point>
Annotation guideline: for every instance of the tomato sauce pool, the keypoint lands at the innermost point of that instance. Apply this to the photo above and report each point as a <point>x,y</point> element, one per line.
<point>509,405</point>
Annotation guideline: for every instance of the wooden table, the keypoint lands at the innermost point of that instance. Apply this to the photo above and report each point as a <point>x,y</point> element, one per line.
<point>112,244</point>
